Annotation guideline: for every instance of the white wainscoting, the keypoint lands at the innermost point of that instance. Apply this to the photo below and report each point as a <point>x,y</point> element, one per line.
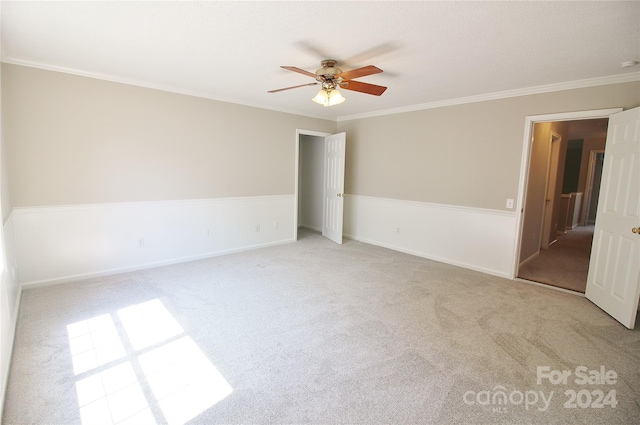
<point>10,299</point>
<point>65,243</point>
<point>474,238</point>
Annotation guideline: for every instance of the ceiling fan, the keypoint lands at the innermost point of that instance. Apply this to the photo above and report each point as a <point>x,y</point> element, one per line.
<point>331,78</point>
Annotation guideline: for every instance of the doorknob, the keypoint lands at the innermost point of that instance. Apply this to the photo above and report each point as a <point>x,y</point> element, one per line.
<point>340,195</point>
<point>636,230</point>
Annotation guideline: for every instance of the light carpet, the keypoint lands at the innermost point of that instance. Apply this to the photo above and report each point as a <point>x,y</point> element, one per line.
<point>317,333</point>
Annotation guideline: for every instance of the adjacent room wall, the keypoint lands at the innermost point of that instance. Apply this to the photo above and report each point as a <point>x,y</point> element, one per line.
<point>561,129</point>
<point>589,144</point>
<point>536,192</point>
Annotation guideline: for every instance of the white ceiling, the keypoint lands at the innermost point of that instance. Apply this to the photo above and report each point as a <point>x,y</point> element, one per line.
<point>431,52</point>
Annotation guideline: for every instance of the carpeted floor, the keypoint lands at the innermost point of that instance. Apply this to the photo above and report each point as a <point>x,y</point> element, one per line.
<point>319,333</point>
<point>564,264</point>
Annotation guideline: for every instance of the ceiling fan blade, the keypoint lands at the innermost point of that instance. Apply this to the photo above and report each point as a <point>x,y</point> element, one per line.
<point>300,71</point>
<point>294,87</point>
<point>363,87</point>
<point>360,72</point>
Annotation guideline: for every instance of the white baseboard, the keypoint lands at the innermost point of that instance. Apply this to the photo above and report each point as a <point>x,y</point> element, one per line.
<point>11,297</point>
<point>103,273</point>
<point>550,287</point>
<point>10,338</point>
<point>473,238</point>
<point>529,258</point>
<point>315,229</point>
<point>60,244</point>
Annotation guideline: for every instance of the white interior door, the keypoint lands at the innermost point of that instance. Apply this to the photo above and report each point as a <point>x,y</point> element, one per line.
<point>333,204</point>
<point>613,283</point>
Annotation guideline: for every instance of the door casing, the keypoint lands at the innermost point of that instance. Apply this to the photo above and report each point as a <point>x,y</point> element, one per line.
<point>530,121</point>
<point>300,132</point>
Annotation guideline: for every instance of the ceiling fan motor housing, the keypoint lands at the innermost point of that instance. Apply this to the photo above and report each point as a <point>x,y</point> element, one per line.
<point>328,68</point>
<point>327,75</point>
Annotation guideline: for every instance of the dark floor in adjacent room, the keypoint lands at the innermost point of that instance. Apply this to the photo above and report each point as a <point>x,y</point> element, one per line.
<point>564,264</point>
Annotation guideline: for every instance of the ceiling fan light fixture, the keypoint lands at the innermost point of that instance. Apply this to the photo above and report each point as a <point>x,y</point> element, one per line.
<point>329,97</point>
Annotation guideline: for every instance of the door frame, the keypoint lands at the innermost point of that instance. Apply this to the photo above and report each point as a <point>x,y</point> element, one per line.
<point>529,122</point>
<point>548,235</point>
<point>300,132</point>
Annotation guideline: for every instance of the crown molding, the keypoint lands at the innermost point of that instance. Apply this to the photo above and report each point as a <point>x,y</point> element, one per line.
<point>154,86</point>
<point>569,85</point>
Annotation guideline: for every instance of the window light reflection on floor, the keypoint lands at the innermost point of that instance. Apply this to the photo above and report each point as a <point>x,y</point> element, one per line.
<point>113,396</point>
<point>148,323</point>
<point>94,342</point>
<point>183,382</point>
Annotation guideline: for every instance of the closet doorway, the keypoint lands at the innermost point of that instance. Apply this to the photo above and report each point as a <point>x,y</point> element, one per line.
<point>310,181</point>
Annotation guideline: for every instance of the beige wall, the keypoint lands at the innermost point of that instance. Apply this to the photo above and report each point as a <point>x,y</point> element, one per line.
<point>77,140</point>
<point>74,140</point>
<point>536,191</point>
<point>467,155</point>
<point>561,128</point>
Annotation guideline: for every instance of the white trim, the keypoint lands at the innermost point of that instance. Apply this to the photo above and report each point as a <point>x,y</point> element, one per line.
<point>10,280</point>
<point>315,229</point>
<point>474,238</point>
<point>530,258</point>
<point>525,160</point>
<point>440,259</point>
<point>300,132</point>
<point>12,327</point>
<point>545,286</point>
<point>149,85</point>
<point>144,204</point>
<point>439,206</point>
<point>102,273</point>
<point>569,85</point>
<point>63,243</point>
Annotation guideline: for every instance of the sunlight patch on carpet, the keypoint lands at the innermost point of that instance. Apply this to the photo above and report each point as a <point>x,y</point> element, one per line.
<point>150,350</point>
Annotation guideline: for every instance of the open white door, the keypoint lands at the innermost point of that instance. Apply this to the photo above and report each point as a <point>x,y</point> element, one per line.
<point>613,283</point>
<point>333,204</point>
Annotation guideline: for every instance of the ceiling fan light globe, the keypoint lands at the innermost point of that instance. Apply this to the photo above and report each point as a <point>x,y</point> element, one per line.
<point>327,97</point>
<point>321,98</point>
<point>335,97</point>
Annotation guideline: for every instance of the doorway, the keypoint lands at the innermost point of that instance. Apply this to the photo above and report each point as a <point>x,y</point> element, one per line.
<point>308,175</point>
<point>555,239</point>
<point>319,183</point>
<point>310,182</point>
